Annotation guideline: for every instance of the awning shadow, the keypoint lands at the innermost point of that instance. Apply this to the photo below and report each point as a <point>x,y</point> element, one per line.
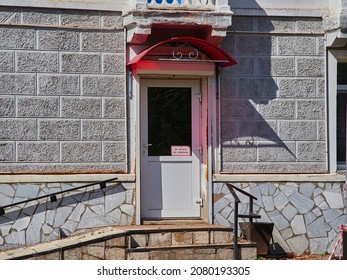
<point>250,109</point>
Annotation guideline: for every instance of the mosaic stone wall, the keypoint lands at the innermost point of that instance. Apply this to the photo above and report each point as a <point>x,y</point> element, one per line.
<point>306,216</point>
<point>73,212</point>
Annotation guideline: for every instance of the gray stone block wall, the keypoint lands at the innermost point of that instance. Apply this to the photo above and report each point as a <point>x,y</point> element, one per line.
<point>62,91</point>
<point>307,217</point>
<point>73,212</point>
<point>273,107</point>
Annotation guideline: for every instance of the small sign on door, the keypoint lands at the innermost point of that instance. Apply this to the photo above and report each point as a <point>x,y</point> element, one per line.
<point>180,150</point>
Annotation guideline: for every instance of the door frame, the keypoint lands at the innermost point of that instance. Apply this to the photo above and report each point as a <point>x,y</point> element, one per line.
<point>195,85</point>
<point>210,123</point>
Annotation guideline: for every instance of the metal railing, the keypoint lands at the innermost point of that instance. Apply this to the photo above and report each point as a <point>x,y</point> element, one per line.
<point>53,196</point>
<point>249,216</point>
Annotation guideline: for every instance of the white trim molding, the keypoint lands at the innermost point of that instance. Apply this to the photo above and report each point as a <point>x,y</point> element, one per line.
<point>271,178</point>
<point>65,178</point>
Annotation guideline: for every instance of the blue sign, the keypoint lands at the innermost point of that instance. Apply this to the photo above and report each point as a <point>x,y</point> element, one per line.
<point>168,1</point>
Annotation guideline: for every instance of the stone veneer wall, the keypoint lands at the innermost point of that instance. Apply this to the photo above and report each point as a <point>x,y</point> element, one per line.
<point>306,216</point>
<point>62,91</point>
<point>76,211</point>
<point>273,101</point>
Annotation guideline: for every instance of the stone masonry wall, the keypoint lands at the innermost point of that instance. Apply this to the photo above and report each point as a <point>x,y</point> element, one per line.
<point>62,91</point>
<point>273,101</point>
<point>306,216</point>
<point>76,211</point>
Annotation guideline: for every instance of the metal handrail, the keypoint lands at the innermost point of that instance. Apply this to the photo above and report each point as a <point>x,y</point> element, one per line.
<point>53,196</point>
<point>237,200</point>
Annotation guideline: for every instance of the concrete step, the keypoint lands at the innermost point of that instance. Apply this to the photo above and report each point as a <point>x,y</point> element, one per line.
<point>140,243</point>
<point>199,243</point>
<point>188,243</point>
<point>179,236</point>
<point>205,252</point>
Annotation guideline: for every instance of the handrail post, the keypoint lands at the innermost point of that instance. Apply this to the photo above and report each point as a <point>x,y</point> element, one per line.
<point>250,216</point>
<point>344,242</point>
<point>236,217</point>
<point>250,208</point>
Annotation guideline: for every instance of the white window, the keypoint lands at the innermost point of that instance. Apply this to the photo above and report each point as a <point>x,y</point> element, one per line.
<point>336,101</point>
<point>341,115</point>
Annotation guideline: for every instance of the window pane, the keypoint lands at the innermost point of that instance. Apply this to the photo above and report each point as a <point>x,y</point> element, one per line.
<point>341,128</point>
<point>169,119</point>
<point>342,73</point>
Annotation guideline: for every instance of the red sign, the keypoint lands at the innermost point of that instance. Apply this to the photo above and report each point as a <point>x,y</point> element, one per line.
<point>180,150</point>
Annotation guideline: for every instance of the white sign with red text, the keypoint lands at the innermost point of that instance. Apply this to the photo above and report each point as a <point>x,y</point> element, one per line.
<point>180,150</point>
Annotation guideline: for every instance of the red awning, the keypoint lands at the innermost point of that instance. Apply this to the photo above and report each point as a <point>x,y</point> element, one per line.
<point>213,52</point>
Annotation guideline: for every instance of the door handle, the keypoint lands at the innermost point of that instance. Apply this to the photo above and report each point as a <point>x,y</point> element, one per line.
<point>145,147</point>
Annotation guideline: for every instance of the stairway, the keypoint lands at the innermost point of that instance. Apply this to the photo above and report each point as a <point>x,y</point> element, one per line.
<point>164,242</point>
<point>208,243</point>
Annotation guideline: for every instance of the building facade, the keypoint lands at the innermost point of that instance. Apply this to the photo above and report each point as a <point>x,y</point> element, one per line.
<point>174,99</point>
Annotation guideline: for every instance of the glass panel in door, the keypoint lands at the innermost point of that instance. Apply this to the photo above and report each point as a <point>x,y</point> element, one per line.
<point>169,119</point>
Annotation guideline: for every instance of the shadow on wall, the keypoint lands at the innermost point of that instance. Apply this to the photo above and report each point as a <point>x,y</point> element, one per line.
<point>249,107</point>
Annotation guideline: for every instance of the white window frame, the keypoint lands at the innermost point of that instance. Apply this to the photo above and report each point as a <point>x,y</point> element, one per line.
<point>334,56</point>
<point>342,89</point>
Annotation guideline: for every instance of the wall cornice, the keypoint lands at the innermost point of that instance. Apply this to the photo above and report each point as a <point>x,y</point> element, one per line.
<point>97,5</point>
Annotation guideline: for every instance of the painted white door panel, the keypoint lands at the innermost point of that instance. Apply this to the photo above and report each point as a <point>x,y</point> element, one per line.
<point>170,120</point>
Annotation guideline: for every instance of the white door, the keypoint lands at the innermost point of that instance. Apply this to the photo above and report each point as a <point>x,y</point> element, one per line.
<point>170,148</point>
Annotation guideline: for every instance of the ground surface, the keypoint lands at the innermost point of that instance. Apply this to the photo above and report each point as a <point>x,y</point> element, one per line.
<point>299,257</point>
